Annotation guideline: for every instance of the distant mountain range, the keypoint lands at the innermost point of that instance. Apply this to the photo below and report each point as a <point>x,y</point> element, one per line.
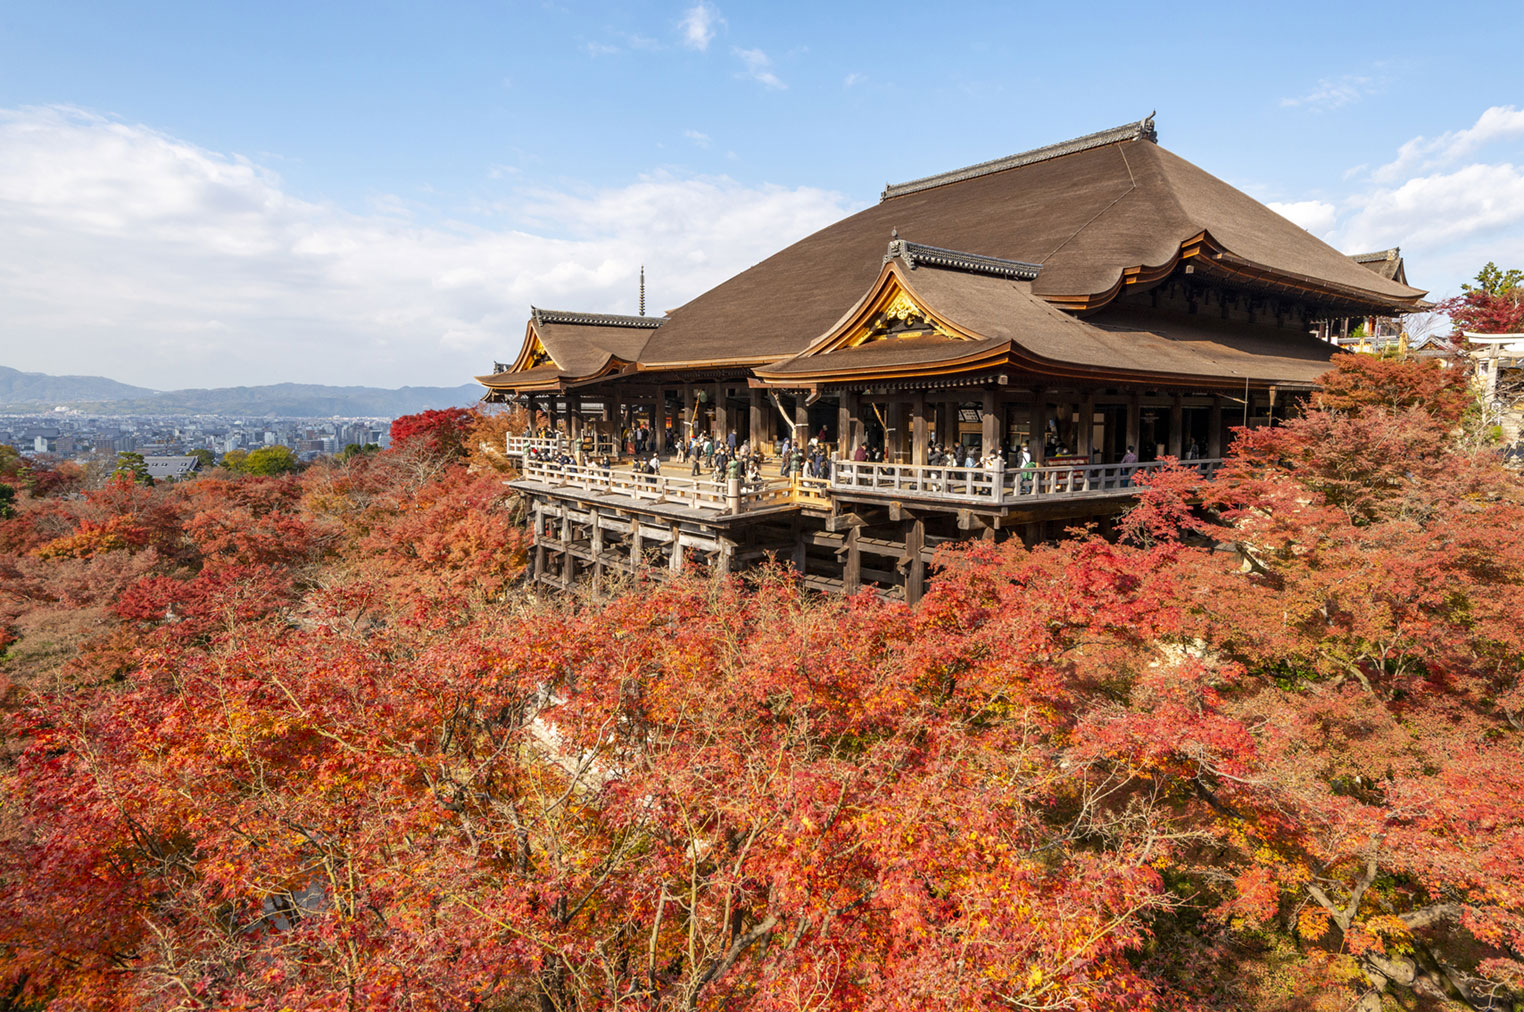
<point>22,392</point>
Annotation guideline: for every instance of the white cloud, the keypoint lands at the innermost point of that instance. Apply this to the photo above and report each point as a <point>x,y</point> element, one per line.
<point>1334,92</point>
<point>1422,153</point>
<point>600,48</point>
<point>854,79</point>
<point>1438,209</point>
<point>758,67</point>
<point>699,25</point>
<point>698,137</point>
<point>1316,216</point>
<point>134,254</point>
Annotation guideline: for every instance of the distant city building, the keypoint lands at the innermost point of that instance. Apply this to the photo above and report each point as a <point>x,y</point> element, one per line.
<point>169,468</point>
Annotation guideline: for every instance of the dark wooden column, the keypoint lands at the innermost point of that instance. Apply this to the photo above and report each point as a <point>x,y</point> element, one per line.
<point>1176,423</point>
<point>756,412</point>
<point>685,415</point>
<point>915,568</point>
<point>852,572</point>
<point>1216,437</point>
<point>918,429</point>
<point>801,421</point>
<point>1134,423</point>
<point>1038,437</point>
<point>718,419</point>
<point>991,423</point>
<point>846,425</point>
<point>1084,437</point>
<point>896,441</point>
<point>659,422</point>
<point>574,419</point>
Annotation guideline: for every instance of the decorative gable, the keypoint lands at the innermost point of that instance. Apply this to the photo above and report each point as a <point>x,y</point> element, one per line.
<point>894,314</point>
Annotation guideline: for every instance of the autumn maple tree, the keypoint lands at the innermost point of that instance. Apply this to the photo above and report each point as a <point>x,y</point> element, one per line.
<point>315,749</point>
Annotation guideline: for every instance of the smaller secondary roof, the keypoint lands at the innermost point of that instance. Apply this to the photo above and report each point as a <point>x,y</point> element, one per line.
<point>564,346</point>
<point>919,320</point>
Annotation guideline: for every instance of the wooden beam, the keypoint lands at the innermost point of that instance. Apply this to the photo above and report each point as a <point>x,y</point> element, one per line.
<point>837,522</point>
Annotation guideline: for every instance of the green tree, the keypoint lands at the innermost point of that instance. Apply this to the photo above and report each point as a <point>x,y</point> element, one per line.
<point>1491,280</point>
<point>205,459</point>
<point>270,460</point>
<point>132,465</point>
<point>353,450</point>
<point>233,460</point>
<point>7,501</point>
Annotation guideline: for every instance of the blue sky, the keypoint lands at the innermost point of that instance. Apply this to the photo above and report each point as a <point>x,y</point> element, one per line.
<point>203,193</point>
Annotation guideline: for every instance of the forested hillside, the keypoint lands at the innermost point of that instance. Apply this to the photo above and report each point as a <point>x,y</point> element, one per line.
<point>304,742</point>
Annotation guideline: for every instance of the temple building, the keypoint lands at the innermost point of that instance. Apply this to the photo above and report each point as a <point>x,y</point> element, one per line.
<point>1068,316</point>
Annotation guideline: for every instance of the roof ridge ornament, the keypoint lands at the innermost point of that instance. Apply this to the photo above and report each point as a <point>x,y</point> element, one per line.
<point>540,316</point>
<point>915,254</point>
<point>1142,130</point>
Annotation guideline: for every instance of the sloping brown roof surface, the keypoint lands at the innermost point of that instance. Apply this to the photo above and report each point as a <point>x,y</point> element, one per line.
<point>1149,343</point>
<point>1084,216</point>
<point>540,374</point>
<point>582,349</point>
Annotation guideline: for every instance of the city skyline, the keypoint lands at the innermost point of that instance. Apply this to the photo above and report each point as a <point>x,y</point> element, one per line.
<point>210,198</point>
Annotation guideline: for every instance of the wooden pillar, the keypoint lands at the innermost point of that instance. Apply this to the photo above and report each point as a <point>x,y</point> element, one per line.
<point>568,564</point>
<point>616,422</point>
<point>1176,423</point>
<point>685,416</point>
<point>1216,437</point>
<point>718,420</point>
<point>637,550</point>
<point>991,423</point>
<point>918,438</point>
<point>915,568</point>
<point>1134,423</point>
<point>801,421</point>
<point>757,411</point>
<point>574,419</point>
<point>896,440</point>
<point>1038,438</point>
<point>660,421</point>
<point>539,541</point>
<point>675,560</point>
<point>846,422</point>
<point>852,572</point>
<point>596,541</point>
<point>1085,437</point>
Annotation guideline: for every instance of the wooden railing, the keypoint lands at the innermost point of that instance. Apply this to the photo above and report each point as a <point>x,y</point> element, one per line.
<point>735,495</point>
<point>597,446</point>
<point>978,486</point>
<point>518,446</point>
<point>997,485</point>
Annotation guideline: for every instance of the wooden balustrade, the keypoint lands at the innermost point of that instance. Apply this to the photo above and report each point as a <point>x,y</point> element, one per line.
<point>998,485</point>
<point>975,486</point>
<point>735,495</point>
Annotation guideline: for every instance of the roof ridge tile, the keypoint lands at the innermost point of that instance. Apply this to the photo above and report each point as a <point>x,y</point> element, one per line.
<point>1142,130</point>
<point>594,319</point>
<point>915,254</point>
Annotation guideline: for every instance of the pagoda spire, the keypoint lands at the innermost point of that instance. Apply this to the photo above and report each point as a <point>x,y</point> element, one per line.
<point>642,289</point>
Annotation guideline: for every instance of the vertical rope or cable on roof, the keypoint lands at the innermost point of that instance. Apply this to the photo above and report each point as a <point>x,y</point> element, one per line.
<point>1133,185</point>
